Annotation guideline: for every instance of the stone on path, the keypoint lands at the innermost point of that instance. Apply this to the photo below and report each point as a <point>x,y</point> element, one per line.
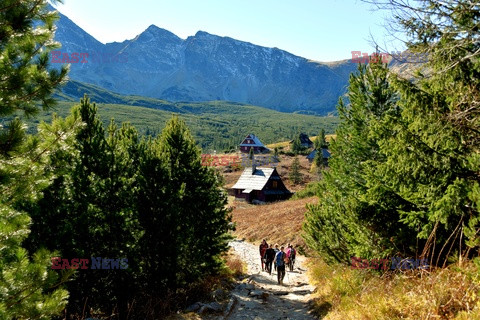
<point>255,293</point>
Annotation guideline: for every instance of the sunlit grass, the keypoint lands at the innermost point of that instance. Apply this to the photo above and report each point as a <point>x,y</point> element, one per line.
<point>279,222</point>
<point>345,293</point>
<point>286,144</point>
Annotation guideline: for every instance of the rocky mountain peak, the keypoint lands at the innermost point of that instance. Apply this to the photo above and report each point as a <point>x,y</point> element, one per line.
<point>204,67</point>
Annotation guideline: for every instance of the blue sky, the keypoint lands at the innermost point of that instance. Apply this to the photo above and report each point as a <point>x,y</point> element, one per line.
<point>320,30</point>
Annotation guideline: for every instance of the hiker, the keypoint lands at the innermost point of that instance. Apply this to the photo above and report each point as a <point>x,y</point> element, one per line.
<point>287,253</point>
<point>269,257</point>
<point>263,248</point>
<point>291,254</point>
<point>276,251</point>
<point>280,260</point>
<point>287,250</point>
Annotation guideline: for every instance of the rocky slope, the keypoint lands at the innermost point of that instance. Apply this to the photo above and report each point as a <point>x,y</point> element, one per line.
<point>205,67</point>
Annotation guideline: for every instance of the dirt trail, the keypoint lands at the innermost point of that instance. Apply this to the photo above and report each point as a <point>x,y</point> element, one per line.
<point>260,297</point>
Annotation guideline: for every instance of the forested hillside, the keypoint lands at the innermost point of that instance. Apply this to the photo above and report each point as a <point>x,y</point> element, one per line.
<point>215,125</point>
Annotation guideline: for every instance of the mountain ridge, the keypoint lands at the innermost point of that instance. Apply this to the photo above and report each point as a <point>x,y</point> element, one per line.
<point>205,67</point>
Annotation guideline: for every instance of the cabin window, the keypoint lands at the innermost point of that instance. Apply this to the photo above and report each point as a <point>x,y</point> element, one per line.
<point>275,184</point>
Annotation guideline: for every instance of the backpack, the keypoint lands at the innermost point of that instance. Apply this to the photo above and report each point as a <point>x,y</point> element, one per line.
<point>279,259</point>
<point>292,253</point>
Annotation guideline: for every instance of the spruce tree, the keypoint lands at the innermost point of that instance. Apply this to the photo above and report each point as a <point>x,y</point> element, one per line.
<point>251,154</point>
<point>295,175</point>
<point>92,197</point>
<point>404,171</point>
<point>297,145</point>
<point>356,214</point>
<point>199,204</point>
<point>433,157</point>
<point>320,141</point>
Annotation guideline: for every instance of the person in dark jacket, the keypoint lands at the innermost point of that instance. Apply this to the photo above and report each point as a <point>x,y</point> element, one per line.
<point>263,248</point>
<point>269,257</point>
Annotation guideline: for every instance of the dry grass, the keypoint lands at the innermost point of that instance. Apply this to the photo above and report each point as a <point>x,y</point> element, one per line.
<point>279,222</point>
<point>235,264</point>
<point>286,144</point>
<point>283,144</point>
<point>344,293</point>
<point>232,177</point>
<point>283,169</point>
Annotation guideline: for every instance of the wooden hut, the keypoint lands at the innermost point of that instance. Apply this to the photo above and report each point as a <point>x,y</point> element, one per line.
<point>262,184</point>
<point>252,141</point>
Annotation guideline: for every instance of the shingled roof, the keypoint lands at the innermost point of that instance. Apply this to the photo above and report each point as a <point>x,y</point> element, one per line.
<point>254,138</point>
<point>304,139</point>
<point>325,154</point>
<point>253,181</point>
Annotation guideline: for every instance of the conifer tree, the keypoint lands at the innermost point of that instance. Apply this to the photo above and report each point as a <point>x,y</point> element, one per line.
<point>181,209</point>
<point>320,141</point>
<point>28,290</point>
<point>404,171</point>
<point>199,202</point>
<point>92,197</point>
<point>297,145</point>
<point>27,79</point>
<point>251,154</point>
<point>149,201</point>
<point>276,157</point>
<point>433,157</point>
<point>351,218</point>
<point>159,220</point>
<point>318,159</point>
<point>295,175</point>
